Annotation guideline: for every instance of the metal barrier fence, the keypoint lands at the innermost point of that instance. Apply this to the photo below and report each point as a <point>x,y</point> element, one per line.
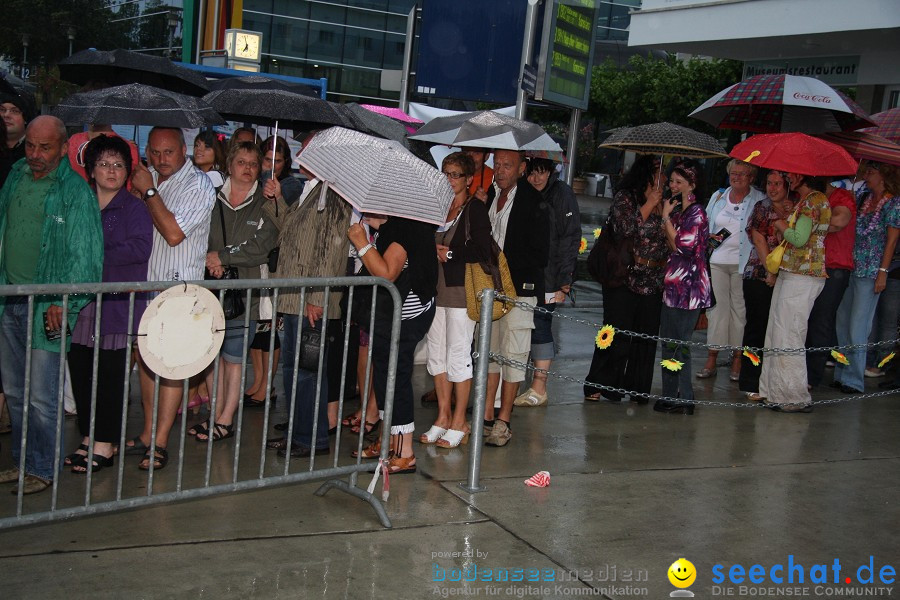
<point>136,488</point>
<point>482,356</point>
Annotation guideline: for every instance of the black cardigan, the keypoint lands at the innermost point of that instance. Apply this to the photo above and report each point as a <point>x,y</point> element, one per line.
<point>527,241</point>
<point>477,250</point>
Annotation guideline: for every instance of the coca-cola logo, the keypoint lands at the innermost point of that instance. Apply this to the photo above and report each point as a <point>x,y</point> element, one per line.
<point>810,98</point>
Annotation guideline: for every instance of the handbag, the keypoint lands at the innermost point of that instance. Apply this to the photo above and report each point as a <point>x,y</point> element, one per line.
<point>494,274</point>
<point>608,262</point>
<point>773,260</point>
<point>232,300</point>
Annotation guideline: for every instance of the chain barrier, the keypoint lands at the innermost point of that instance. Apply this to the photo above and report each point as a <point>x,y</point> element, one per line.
<point>646,336</point>
<point>500,359</point>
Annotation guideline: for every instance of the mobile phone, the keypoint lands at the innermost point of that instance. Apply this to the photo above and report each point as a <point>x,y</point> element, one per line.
<point>53,334</point>
<point>724,233</point>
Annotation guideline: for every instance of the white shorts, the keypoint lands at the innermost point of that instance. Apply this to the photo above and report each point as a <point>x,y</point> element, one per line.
<point>449,343</point>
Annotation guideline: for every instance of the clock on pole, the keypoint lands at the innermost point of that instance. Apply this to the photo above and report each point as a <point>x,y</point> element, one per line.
<point>243,49</point>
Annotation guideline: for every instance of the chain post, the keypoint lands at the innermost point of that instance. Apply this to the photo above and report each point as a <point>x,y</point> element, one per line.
<point>479,390</point>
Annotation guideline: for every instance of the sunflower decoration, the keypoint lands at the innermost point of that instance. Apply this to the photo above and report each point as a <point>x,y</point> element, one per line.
<point>886,360</point>
<point>672,364</point>
<point>582,246</point>
<point>839,357</point>
<point>597,232</point>
<point>605,337</point>
<point>754,359</point>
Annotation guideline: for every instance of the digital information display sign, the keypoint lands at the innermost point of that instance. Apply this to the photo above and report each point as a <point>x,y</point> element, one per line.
<point>567,52</point>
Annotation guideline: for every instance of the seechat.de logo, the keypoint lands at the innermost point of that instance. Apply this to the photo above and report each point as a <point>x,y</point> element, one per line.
<point>682,575</point>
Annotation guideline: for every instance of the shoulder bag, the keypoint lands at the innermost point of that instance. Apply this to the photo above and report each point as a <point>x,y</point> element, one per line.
<point>776,255</point>
<point>491,274</point>
<point>608,261</point>
<point>232,300</point>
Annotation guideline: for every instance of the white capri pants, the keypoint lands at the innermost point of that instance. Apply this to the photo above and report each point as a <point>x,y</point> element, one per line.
<point>728,317</point>
<point>449,343</point>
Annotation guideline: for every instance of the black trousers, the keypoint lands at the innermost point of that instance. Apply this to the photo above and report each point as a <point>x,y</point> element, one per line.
<point>821,329</point>
<point>628,363</point>
<point>110,387</point>
<point>411,332</point>
<point>757,300</point>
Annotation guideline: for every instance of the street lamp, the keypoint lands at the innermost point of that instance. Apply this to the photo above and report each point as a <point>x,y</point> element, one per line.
<point>172,22</point>
<point>70,33</point>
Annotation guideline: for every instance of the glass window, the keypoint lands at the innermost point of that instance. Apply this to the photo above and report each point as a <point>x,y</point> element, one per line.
<point>327,13</point>
<point>325,42</point>
<point>290,8</point>
<point>364,48</point>
<point>366,18</point>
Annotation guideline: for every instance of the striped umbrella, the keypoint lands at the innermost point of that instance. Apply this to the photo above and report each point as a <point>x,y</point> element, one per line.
<point>782,103</point>
<point>888,124</point>
<point>865,146</point>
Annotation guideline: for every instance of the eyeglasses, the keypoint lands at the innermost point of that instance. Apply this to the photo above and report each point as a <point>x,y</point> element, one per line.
<point>453,175</point>
<point>739,174</point>
<point>10,111</point>
<point>116,166</point>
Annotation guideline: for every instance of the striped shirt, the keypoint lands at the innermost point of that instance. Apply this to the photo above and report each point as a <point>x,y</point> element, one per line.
<point>189,195</point>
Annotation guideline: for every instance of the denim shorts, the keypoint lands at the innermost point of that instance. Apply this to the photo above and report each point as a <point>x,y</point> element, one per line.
<point>233,344</point>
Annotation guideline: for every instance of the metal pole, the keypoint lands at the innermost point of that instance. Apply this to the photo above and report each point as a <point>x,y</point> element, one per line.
<point>571,145</point>
<point>527,47</point>
<point>479,390</point>
<point>407,59</point>
<point>215,38</point>
<point>201,26</point>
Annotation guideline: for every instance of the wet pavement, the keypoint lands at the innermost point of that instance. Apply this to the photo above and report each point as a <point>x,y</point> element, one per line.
<point>631,491</point>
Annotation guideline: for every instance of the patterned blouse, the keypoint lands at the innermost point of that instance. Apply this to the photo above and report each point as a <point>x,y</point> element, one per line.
<point>762,219</point>
<point>871,236</point>
<point>687,280</point>
<point>809,259</point>
<point>648,240</point>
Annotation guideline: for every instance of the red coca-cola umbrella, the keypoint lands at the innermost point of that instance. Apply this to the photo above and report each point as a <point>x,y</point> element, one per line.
<point>795,153</point>
<point>782,103</point>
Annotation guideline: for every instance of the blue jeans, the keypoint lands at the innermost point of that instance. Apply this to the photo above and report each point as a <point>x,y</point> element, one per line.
<point>678,324</point>
<point>854,321</point>
<point>44,394</point>
<point>884,327</point>
<point>306,388</point>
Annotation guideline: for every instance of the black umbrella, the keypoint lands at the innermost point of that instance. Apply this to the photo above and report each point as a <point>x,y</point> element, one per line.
<point>371,123</point>
<point>260,82</point>
<point>275,108</point>
<point>136,104</point>
<point>120,67</point>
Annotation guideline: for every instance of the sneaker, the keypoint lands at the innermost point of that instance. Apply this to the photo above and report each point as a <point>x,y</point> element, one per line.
<point>830,364</point>
<point>9,475</point>
<point>500,434</point>
<point>530,398</point>
<point>32,485</point>
<point>873,372</point>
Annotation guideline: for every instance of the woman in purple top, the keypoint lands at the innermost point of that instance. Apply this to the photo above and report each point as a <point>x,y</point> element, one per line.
<point>127,240</point>
<point>686,286</point>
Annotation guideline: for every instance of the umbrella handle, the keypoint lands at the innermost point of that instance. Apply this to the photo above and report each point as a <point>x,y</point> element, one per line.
<point>274,140</point>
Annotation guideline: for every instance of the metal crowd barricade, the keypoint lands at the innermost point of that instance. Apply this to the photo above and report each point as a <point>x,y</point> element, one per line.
<point>135,488</point>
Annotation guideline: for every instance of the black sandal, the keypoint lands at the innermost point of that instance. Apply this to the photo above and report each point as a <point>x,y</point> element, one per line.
<point>201,428</point>
<point>159,461</point>
<point>71,459</point>
<point>220,431</point>
<point>80,466</point>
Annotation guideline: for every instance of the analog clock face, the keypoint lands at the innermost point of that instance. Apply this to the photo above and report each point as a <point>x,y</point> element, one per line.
<point>247,46</point>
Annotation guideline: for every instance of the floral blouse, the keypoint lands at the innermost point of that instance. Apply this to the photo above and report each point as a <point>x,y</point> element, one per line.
<point>871,236</point>
<point>686,282</point>
<point>762,219</point>
<point>648,240</point>
<point>809,259</point>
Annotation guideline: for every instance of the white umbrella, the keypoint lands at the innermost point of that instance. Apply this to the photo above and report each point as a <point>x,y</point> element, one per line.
<point>486,129</point>
<point>377,175</point>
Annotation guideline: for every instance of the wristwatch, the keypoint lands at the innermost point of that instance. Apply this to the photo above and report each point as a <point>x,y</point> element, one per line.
<point>150,193</point>
<point>883,270</point>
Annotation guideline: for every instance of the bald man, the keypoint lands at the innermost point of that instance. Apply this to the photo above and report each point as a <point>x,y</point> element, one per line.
<point>51,232</point>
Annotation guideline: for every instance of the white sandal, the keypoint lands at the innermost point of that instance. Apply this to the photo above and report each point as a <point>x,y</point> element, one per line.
<point>432,435</point>
<point>453,438</point>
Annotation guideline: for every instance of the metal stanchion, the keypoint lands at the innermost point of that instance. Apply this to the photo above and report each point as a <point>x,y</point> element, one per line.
<point>479,390</point>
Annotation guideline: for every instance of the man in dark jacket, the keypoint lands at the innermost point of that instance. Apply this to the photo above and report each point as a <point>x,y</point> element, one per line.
<point>565,239</point>
<point>520,227</point>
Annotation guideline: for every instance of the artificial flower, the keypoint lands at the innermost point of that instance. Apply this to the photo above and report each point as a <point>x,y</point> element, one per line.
<point>886,360</point>
<point>672,364</point>
<point>597,232</point>
<point>605,337</point>
<point>839,357</point>
<point>582,246</point>
<point>754,359</point>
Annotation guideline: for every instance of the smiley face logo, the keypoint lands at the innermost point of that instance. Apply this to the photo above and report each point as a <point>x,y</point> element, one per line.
<point>682,573</point>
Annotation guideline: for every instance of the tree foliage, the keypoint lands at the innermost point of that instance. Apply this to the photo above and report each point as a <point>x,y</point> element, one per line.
<point>652,90</point>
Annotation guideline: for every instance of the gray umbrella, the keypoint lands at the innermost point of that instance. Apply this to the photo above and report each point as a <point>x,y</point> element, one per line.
<point>486,129</point>
<point>260,82</point>
<point>136,104</point>
<point>664,138</point>
<point>120,67</point>
<point>377,175</point>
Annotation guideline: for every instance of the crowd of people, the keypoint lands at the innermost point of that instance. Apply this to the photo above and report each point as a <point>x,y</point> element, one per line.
<point>688,268</point>
<point>86,209</point>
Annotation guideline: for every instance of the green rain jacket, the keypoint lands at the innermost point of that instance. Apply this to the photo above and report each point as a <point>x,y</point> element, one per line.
<point>71,243</point>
